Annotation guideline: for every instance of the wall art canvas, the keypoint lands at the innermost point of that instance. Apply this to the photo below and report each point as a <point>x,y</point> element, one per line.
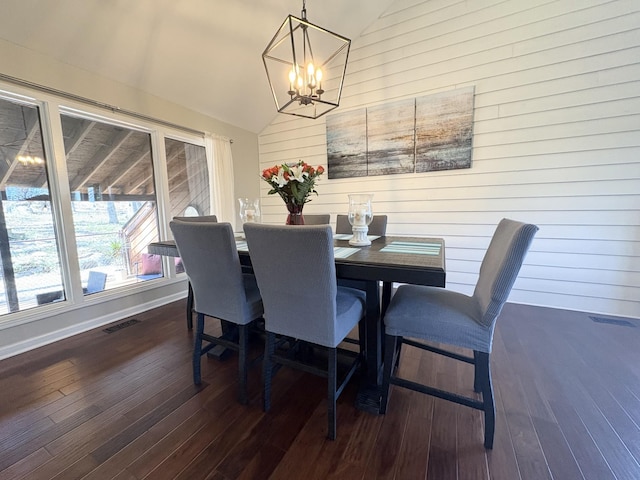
<point>444,128</point>
<point>347,144</point>
<point>391,138</point>
<point>426,134</point>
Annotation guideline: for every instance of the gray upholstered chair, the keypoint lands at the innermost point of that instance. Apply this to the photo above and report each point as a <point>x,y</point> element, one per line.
<point>296,274</point>
<point>317,219</point>
<point>198,219</point>
<point>378,225</point>
<point>443,316</point>
<point>201,218</point>
<point>95,283</point>
<point>220,290</point>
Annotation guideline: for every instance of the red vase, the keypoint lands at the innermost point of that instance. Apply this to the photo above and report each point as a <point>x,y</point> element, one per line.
<point>295,214</point>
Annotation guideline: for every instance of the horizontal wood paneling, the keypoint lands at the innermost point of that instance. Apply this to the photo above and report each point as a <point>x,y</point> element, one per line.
<point>556,140</point>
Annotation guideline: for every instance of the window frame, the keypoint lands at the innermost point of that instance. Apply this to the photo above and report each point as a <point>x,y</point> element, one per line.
<point>50,108</point>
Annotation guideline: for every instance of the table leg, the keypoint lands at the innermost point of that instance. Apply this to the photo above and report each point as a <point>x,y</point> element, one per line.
<point>369,394</point>
<point>387,288</point>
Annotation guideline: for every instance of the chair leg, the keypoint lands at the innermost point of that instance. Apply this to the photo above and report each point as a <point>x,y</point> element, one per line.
<point>197,349</point>
<point>332,384</point>
<point>477,382</point>
<point>243,347</point>
<point>487,398</point>
<point>267,370</point>
<point>190,307</point>
<point>398,353</point>
<point>389,351</point>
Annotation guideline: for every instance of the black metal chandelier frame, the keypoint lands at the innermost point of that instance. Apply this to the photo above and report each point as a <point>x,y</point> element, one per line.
<point>305,75</point>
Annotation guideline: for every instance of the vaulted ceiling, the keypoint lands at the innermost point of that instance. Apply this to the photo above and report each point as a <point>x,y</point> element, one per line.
<point>201,54</point>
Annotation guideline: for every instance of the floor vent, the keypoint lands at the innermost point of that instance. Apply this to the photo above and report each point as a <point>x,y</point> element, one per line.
<point>612,321</point>
<point>122,325</point>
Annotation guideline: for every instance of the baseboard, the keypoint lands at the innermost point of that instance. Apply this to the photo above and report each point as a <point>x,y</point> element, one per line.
<point>42,340</point>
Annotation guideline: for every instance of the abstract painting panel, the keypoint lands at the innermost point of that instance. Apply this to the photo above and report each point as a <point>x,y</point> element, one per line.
<point>426,134</point>
<point>347,144</point>
<point>390,138</point>
<point>444,128</point>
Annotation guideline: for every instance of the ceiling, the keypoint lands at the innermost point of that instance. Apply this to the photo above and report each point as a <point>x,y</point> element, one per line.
<point>202,54</point>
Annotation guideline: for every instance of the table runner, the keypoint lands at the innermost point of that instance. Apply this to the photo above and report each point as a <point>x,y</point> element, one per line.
<point>338,252</point>
<point>413,247</point>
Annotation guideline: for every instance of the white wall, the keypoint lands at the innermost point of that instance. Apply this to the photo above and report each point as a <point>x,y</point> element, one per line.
<point>28,65</point>
<point>25,330</point>
<point>556,140</point>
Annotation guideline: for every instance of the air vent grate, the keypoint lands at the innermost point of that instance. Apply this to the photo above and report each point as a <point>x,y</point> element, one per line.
<point>612,321</point>
<point>122,325</point>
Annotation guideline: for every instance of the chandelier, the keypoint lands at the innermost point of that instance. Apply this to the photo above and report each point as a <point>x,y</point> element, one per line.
<point>29,160</point>
<point>306,81</point>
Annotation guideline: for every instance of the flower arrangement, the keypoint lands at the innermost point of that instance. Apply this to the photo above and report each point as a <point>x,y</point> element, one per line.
<point>294,183</point>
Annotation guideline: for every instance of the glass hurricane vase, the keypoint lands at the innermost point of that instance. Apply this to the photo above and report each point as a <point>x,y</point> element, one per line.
<point>360,216</point>
<point>249,210</point>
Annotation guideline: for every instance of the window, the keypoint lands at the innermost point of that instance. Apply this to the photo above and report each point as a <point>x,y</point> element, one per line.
<point>188,178</point>
<point>79,208</point>
<point>188,182</point>
<point>29,254</point>
<point>110,174</point>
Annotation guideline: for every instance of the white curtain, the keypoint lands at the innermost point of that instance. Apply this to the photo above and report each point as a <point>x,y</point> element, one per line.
<point>221,184</point>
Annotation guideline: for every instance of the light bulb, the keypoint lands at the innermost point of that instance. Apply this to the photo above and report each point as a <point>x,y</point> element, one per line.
<point>292,78</point>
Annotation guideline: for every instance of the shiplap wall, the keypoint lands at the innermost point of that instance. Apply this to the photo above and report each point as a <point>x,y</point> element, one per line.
<point>556,140</point>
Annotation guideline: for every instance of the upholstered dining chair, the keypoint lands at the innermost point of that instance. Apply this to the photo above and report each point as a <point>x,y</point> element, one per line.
<point>378,225</point>
<point>447,317</point>
<point>317,219</point>
<point>296,274</point>
<point>95,283</point>
<point>220,290</point>
<point>198,219</point>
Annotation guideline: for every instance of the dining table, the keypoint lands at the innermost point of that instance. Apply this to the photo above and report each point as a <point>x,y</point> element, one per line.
<point>388,260</point>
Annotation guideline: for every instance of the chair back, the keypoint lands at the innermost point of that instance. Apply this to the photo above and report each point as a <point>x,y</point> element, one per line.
<point>500,267</point>
<point>317,219</point>
<point>378,225</point>
<point>296,276</point>
<point>96,282</point>
<point>210,257</point>
<point>201,218</point>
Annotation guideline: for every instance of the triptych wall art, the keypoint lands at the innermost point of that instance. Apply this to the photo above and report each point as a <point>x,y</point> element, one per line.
<point>409,136</point>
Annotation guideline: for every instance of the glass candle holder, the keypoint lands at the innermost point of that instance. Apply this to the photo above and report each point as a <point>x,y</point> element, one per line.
<point>249,210</point>
<point>360,216</point>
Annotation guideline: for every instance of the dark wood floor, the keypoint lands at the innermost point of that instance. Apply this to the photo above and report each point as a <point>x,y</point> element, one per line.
<point>122,405</point>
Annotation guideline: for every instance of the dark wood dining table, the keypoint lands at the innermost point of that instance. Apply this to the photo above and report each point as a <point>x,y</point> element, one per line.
<point>386,261</point>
